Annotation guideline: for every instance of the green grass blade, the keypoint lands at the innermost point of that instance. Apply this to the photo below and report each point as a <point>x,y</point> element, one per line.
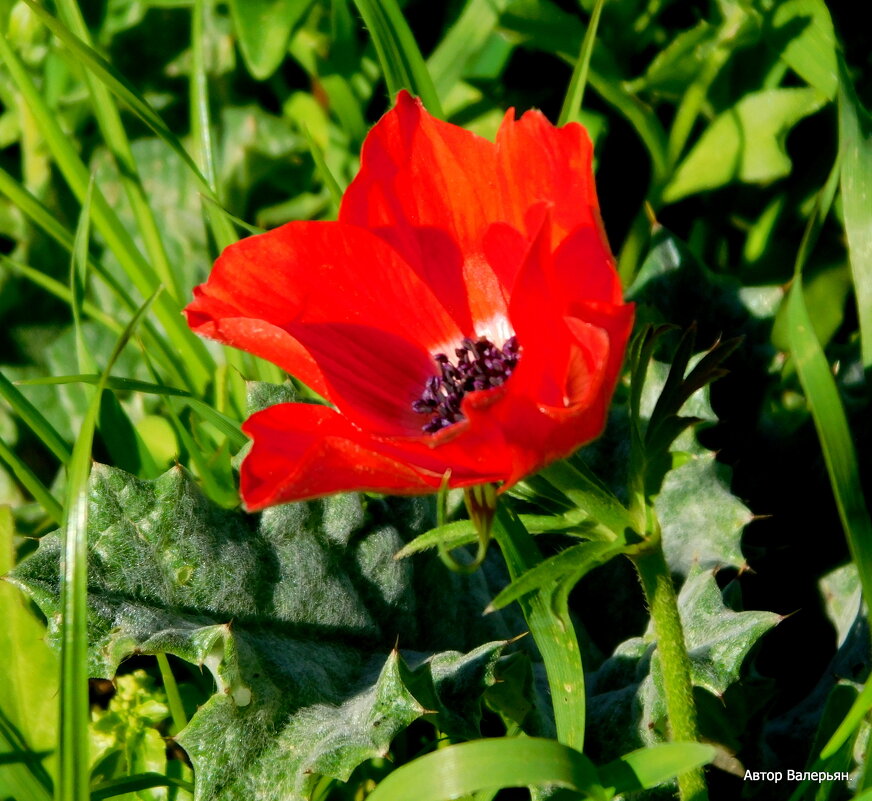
<point>463,40</point>
<point>821,209</point>
<point>398,53</point>
<point>118,86</point>
<point>31,207</point>
<point>113,382</point>
<point>484,764</point>
<point>825,403</point>
<point>856,714</point>
<point>462,532</point>
<point>213,205</point>
<point>132,784</point>
<point>20,757</point>
<point>48,222</point>
<point>56,288</point>
<point>451,535</point>
<point>201,124</point>
<point>641,116</point>
<point>552,630</point>
<point>151,339</point>
<point>690,107</point>
<point>109,120</point>
<point>578,82</point>
<point>839,741</point>
<point>323,170</point>
<point>588,494</point>
<point>190,350</point>
<point>652,766</point>
<point>572,563</point>
<point>835,436</point>
<point>227,426</point>
<point>74,773</point>
<point>91,59</point>
<point>345,104</point>
<point>171,688</point>
<point>855,146</point>
<point>79,281</point>
<point>31,483</point>
<point>125,447</point>
<point>530,24</point>
<point>34,419</point>
<point>16,775</point>
<point>220,221</point>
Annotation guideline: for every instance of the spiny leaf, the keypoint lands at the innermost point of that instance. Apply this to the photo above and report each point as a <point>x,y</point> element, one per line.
<point>718,638</point>
<point>627,701</point>
<point>294,612</point>
<point>702,520</point>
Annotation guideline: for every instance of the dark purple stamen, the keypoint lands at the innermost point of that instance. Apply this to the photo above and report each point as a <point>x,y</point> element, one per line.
<point>480,365</point>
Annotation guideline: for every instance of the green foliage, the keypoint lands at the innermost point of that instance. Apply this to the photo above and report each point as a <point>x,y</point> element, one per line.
<point>264,28</point>
<point>627,687</point>
<point>805,31</point>
<point>855,142</point>
<point>125,740</point>
<point>295,617</point>
<point>197,121</point>
<point>509,762</point>
<point>745,143</point>
<point>702,520</point>
<point>27,695</point>
<point>401,61</point>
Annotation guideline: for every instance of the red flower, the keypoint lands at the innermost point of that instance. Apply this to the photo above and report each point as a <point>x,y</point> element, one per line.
<point>463,313</point>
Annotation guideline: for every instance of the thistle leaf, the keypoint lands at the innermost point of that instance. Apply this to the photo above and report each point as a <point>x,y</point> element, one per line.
<point>627,703</point>
<point>295,613</point>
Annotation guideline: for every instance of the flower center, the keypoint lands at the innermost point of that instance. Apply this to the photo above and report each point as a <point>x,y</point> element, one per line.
<point>479,365</point>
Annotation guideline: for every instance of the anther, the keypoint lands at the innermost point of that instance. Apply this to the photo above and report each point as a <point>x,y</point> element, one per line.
<point>480,365</point>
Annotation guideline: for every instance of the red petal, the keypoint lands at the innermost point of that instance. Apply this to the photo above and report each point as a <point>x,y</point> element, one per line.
<point>373,376</point>
<point>556,400</point>
<point>212,317</point>
<point>583,269</point>
<point>542,163</point>
<point>304,451</point>
<point>335,306</point>
<point>537,320</point>
<point>434,191</point>
<point>429,188</point>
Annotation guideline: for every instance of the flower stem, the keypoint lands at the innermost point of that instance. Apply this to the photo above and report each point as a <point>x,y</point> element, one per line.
<point>551,628</point>
<point>674,661</point>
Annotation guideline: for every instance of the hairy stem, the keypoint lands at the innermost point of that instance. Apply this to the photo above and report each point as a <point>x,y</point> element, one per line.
<point>674,661</point>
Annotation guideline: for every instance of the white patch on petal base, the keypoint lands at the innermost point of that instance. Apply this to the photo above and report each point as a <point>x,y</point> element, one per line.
<point>498,330</point>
